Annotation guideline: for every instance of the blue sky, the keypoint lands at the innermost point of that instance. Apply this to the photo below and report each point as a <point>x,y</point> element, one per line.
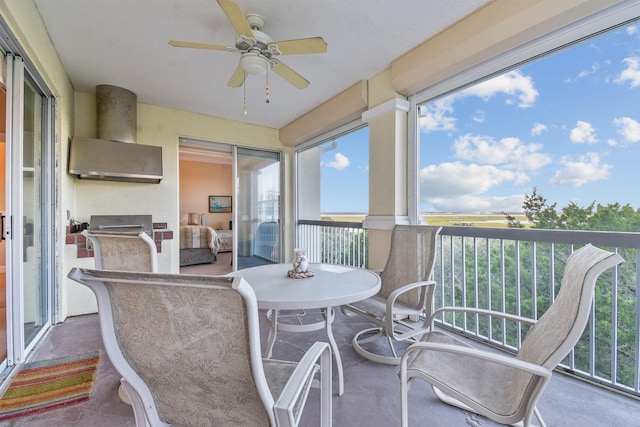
<point>345,174</point>
<point>568,124</point>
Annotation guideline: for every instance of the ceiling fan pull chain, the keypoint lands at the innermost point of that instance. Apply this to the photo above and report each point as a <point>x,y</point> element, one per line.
<point>267,88</point>
<point>244,94</point>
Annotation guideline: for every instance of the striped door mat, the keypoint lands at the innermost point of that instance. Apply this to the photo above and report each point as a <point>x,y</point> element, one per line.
<point>49,384</point>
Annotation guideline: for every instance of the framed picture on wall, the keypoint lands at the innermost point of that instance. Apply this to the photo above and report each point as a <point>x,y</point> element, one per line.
<point>219,204</point>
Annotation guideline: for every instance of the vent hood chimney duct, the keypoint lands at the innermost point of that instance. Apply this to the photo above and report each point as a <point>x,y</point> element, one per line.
<point>115,156</point>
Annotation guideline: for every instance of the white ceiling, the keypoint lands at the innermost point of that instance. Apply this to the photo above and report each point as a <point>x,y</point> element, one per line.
<point>125,43</point>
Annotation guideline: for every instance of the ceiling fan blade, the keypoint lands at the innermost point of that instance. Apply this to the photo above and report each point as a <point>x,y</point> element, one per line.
<point>237,78</point>
<point>236,17</point>
<point>196,45</point>
<point>291,76</point>
<point>301,46</point>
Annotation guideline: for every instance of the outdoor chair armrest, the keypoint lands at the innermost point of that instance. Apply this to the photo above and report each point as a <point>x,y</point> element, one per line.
<point>390,304</point>
<point>482,311</point>
<point>297,385</point>
<point>508,361</point>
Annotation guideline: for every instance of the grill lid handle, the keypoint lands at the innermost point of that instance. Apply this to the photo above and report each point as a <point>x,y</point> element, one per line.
<point>106,227</point>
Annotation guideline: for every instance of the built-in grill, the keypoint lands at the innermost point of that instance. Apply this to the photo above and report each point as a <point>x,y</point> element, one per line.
<point>122,223</point>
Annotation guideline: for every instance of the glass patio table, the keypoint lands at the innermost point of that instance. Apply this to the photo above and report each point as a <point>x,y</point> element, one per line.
<point>332,285</point>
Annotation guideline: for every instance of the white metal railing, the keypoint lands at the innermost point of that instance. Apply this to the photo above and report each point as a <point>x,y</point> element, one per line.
<point>334,242</point>
<point>518,271</point>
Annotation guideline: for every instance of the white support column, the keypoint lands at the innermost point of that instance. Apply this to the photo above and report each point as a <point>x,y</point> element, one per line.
<point>388,174</point>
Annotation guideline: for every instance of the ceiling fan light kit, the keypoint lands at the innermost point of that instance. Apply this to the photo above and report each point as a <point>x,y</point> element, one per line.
<point>254,63</point>
<point>258,50</point>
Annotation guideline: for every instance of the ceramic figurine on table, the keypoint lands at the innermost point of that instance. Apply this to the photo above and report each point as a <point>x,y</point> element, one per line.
<point>300,262</point>
<point>300,265</point>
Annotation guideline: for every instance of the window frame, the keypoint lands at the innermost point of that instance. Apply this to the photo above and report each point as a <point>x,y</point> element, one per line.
<point>342,130</point>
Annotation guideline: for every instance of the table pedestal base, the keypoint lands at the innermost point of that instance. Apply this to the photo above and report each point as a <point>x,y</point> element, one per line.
<point>275,325</point>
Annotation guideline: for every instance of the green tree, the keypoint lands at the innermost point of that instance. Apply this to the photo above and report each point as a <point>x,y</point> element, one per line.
<point>539,214</point>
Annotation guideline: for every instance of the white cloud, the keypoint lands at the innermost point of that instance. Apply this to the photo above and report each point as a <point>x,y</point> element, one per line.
<point>513,84</point>
<point>584,73</point>
<point>511,153</point>
<point>437,115</point>
<point>577,173</point>
<point>478,204</point>
<point>628,128</point>
<point>632,30</point>
<point>340,162</point>
<point>538,128</point>
<point>456,179</point>
<point>434,116</point>
<point>631,73</point>
<point>478,116</point>
<point>583,133</point>
<point>456,187</point>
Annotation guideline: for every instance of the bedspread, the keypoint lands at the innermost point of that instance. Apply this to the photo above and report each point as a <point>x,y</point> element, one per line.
<point>199,236</point>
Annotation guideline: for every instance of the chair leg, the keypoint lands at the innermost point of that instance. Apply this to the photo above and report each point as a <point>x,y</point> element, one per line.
<point>358,340</point>
<point>139,410</point>
<point>272,319</point>
<point>404,396</point>
<point>391,346</point>
<point>122,394</point>
<point>539,417</point>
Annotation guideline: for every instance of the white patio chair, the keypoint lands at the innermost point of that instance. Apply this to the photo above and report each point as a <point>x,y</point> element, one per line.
<point>500,387</point>
<point>405,299</point>
<point>188,349</point>
<point>123,251</point>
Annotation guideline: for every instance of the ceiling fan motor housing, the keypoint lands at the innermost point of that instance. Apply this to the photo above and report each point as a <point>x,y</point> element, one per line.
<point>259,43</point>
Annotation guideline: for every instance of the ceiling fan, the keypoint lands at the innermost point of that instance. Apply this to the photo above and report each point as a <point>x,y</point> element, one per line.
<point>258,50</point>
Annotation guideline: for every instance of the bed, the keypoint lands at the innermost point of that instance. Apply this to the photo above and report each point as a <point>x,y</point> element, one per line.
<point>199,244</point>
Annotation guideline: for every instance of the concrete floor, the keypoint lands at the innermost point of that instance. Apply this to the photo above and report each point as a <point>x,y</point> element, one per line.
<point>371,396</point>
<point>372,391</point>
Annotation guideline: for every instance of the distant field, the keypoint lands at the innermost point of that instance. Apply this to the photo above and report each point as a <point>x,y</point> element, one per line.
<point>476,220</point>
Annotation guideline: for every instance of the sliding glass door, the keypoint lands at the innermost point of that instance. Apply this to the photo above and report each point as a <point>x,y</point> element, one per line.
<point>28,223</point>
<point>257,207</point>
<point>254,181</point>
<point>35,303</point>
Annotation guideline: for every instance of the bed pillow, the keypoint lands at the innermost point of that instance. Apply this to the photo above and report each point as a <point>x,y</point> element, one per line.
<point>184,219</point>
<point>195,219</point>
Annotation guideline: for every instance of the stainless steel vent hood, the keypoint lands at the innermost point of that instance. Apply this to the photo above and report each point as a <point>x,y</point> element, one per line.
<point>105,160</point>
<point>114,155</point>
